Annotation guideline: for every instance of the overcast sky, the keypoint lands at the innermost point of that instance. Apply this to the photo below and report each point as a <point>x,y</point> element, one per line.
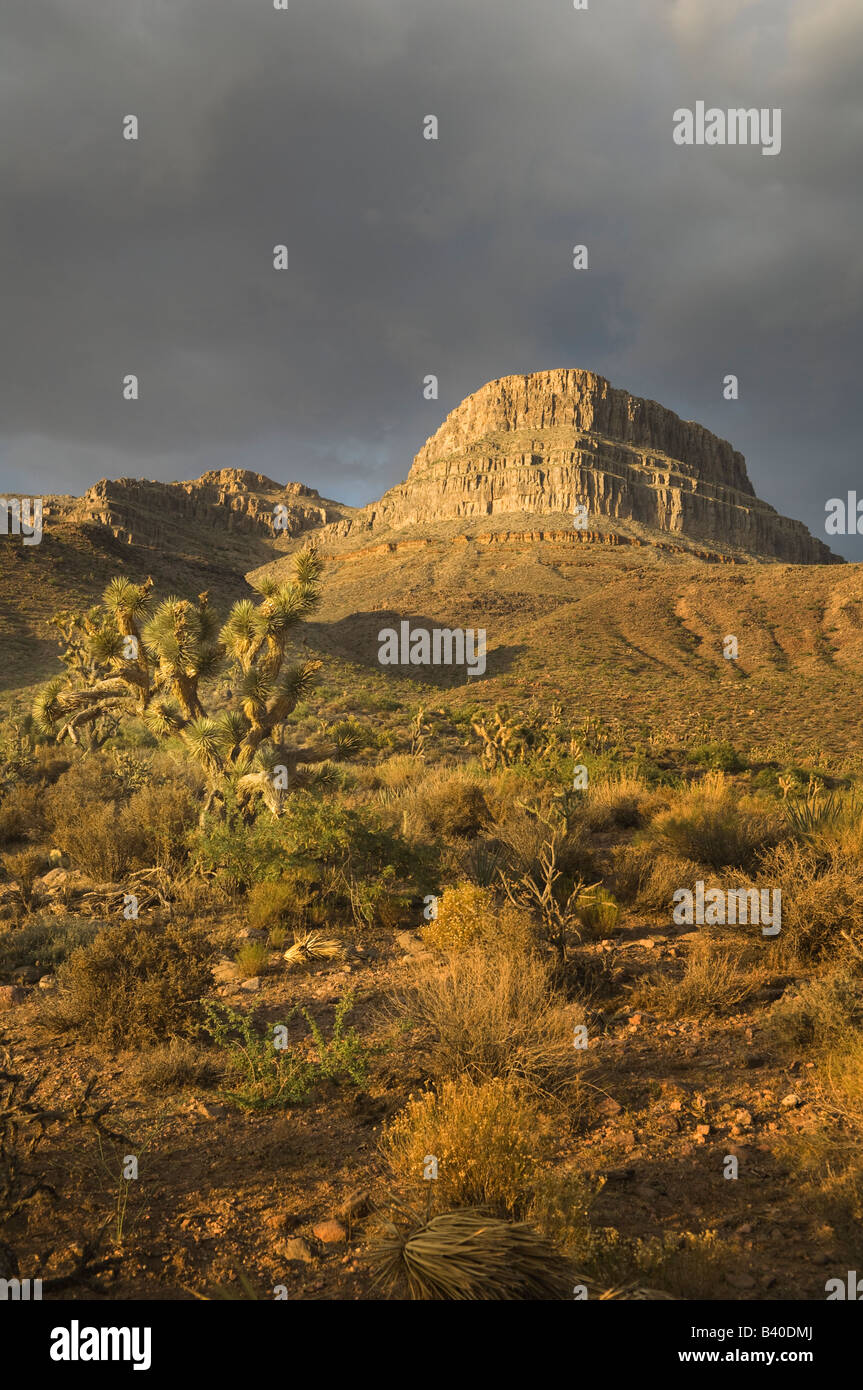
<point>409,257</point>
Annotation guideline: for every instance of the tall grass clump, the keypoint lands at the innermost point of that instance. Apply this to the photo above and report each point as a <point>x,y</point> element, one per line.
<point>496,1016</point>
<point>713,824</point>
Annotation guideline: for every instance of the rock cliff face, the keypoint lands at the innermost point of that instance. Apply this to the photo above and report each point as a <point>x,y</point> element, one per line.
<point>541,444</point>
<point>231,502</point>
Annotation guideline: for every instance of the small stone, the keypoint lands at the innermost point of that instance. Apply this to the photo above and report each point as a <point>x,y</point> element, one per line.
<point>788,1102</point>
<point>702,1130</point>
<point>740,1281</point>
<point>410,941</point>
<point>225,972</point>
<point>743,1118</point>
<point>676,1105</point>
<point>609,1106</point>
<point>209,1110</point>
<point>329,1232</point>
<point>10,995</point>
<point>297,1249</point>
<point>251,934</point>
<point>251,986</point>
<point>746,1229</point>
<point>668,1124</point>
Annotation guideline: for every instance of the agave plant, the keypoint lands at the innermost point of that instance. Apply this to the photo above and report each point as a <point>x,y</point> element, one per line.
<point>467,1255</point>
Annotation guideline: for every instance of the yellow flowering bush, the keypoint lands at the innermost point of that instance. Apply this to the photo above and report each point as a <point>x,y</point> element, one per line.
<point>489,1140</point>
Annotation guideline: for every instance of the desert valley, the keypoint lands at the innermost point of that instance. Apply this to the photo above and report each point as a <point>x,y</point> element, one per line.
<point>343,852</point>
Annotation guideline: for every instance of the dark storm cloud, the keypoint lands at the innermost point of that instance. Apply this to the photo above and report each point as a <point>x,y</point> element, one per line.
<point>410,257</point>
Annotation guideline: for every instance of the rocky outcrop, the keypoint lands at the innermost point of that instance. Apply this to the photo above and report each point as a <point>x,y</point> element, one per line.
<point>230,502</point>
<point>541,444</point>
<point>568,538</point>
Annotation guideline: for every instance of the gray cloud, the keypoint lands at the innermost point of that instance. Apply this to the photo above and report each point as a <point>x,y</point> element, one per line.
<point>407,256</point>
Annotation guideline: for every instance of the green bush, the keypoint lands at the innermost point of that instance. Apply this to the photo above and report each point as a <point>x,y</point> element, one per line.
<point>252,959</point>
<point>719,757</point>
<point>599,913</point>
<point>266,1073</point>
<point>44,943</point>
<point>134,985</point>
<point>271,905</point>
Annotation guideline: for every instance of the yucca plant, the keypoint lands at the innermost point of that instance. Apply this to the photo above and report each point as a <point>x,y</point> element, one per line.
<point>468,1256</point>
<point>630,1291</point>
<point>309,947</point>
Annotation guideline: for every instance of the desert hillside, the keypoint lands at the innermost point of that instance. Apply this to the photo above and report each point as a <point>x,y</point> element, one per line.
<point>368,963</point>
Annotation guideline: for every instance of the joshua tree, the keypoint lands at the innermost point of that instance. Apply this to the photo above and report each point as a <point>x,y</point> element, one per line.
<point>123,659</point>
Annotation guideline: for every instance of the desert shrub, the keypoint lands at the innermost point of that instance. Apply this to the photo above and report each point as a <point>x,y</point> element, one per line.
<point>615,802</point>
<point>489,1140</point>
<point>20,813</point>
<point>317,841</point>
<point>496,1016</point>
<point>710,823</point>
<point>44,943</point>
<point>679,1264</point>
<point>108,833</point>
<point>599,913</point>
<point>445,804</point>
<point>343,1056</point>
<point>819,1011</point>
<point>135,984</point>
<point>25,867</point>
<point>686,1264</point>
<point>375,898</point>
<point>827,1163</point>
<point>266,1072</point>
<point>649,879</point>
<point>479,861</point>
<point>468,915</point>
<point>560,1208</point>
<point>236,852</point>
<point>718,757</point>
<point>87,781</point>
<point>822,901</point>
<point>340,843</point>
<point>260,1074</point>
<point>399,772</point>
<point>842,1084</point>
<point>252,959</point>
<point>171,1066</point>
<point>830,824</point>
<point>525,831</point>
<point>270,905</point>
<point>717,978</point>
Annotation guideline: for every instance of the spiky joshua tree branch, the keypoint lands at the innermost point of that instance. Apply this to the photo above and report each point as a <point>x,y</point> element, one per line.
<point>127,658</point>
